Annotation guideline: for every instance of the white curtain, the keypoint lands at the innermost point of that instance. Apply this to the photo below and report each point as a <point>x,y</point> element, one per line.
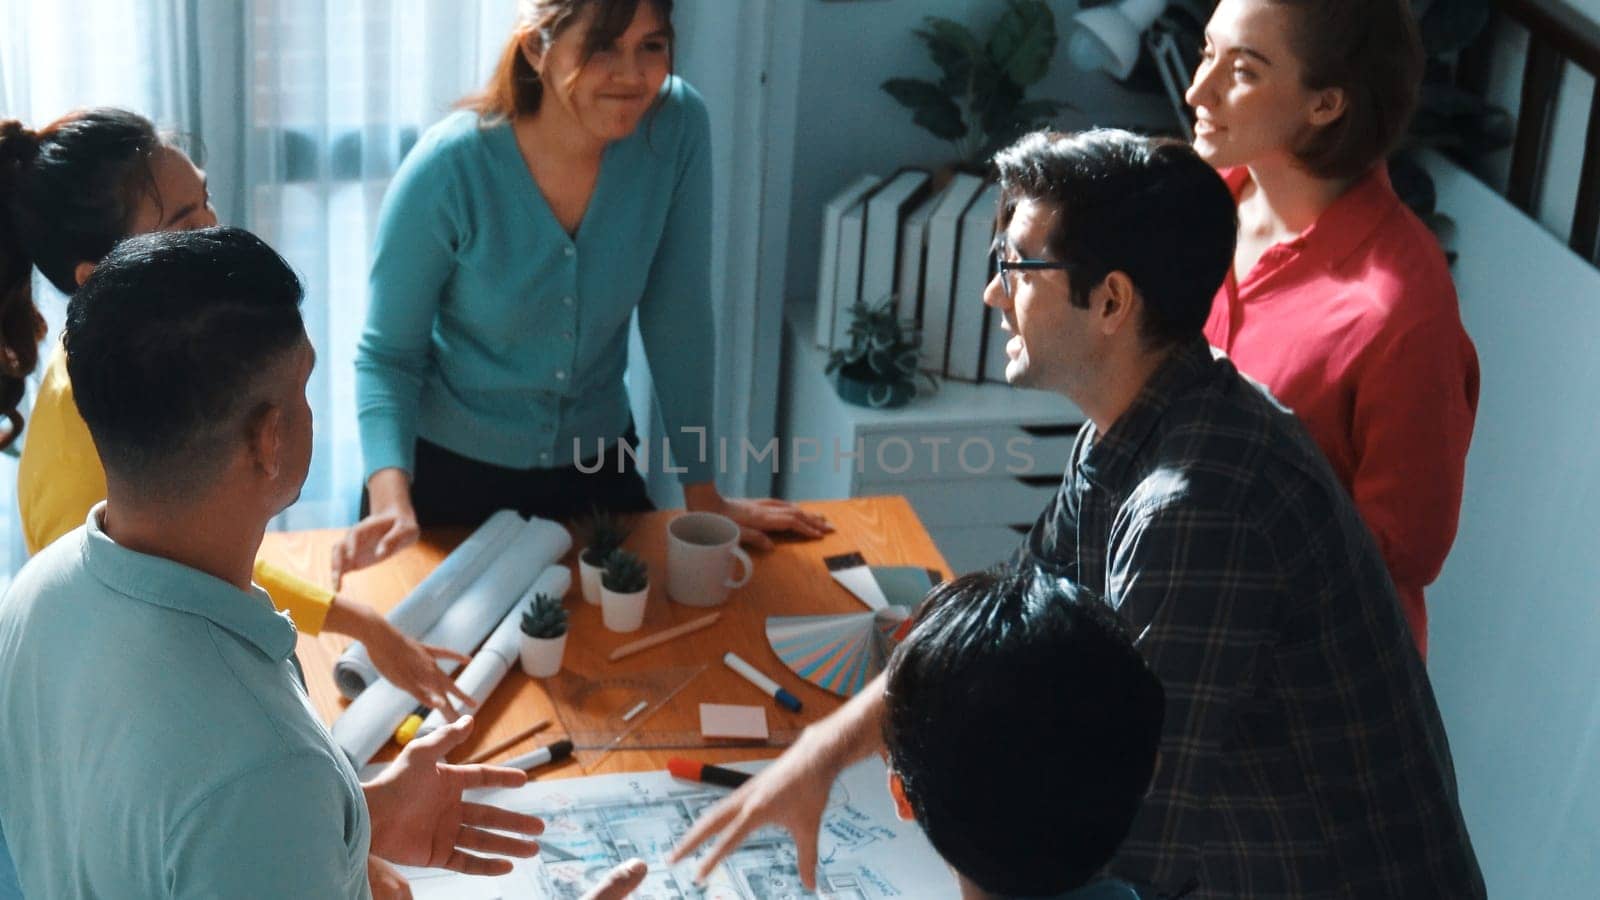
<point>304,108</point>
<point>64,54</point>
<point>337,92</point>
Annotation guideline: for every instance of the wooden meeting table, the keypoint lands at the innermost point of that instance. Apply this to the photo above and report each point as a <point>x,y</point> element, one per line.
<point>788,580</point>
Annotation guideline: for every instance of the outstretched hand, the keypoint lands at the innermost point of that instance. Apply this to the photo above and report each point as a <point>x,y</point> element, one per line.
<point>420,819</point>
<point>791,793</point>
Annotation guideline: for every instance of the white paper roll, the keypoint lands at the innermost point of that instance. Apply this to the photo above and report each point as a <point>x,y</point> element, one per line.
<point>421,608</point>
<point>493,660</point>
<point>371,719</point>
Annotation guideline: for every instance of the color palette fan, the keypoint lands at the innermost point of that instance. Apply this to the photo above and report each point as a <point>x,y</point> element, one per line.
<point>836,653</point>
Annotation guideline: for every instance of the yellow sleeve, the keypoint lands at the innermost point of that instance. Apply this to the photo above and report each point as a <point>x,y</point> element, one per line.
<point>306,603</point>
<point>59,478</point>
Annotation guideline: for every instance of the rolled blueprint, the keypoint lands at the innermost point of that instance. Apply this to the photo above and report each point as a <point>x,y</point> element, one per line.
<point>421,608</point>
<point>371,719</point>
<point>493,660</point>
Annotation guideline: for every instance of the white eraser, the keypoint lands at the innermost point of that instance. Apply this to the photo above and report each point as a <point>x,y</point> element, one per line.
<point>720,720</point>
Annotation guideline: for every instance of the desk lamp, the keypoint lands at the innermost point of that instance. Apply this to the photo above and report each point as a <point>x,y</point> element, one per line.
<point>1109,38</point>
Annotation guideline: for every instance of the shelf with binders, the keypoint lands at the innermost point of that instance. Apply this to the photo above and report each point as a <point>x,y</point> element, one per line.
<point>924,241</point>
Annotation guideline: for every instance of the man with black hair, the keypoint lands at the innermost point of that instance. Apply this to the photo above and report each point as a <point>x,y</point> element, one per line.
<point>156,733</point>
<point>1023,795</point>
<point>1303,753</point>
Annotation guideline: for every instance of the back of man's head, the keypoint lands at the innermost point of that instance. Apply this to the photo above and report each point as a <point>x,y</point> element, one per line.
<point>1149,208</point>
<point>1024,727</point>
<point>168,343</point>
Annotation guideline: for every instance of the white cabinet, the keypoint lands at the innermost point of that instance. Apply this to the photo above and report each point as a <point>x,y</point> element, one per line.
<point>976,461</point>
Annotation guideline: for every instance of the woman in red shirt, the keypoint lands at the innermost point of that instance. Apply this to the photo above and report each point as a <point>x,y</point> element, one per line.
<point>1340,299</point>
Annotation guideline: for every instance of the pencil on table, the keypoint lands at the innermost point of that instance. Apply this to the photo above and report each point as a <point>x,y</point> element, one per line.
<point>511,741</point>
<point>661,637</point>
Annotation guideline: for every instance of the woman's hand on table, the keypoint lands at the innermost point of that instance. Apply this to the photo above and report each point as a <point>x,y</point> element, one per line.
<point>390,527</point>
<point>756,518</point>
<point>420,819</point>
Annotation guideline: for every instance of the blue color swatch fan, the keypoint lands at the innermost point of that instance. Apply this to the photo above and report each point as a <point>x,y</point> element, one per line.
<point>841,653</point>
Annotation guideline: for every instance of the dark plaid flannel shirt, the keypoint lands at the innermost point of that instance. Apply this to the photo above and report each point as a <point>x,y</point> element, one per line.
<point>1303,754</point>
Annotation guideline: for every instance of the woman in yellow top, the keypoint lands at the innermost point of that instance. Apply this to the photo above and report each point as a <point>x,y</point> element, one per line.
<point>68,193</point>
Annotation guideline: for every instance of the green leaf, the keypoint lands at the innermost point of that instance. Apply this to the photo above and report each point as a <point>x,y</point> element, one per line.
<point>1000,105</point>
<point>1023,41</point>
<point>943,120</point>
<point>955,50</point>
<point>914,93</point>
<point>930,107</point>
<point>989,87</point>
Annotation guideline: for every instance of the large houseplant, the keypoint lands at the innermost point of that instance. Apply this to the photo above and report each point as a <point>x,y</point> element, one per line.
<point>979,103</point>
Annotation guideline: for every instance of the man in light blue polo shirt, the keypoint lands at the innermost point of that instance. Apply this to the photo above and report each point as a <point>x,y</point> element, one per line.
<point>156,739</point>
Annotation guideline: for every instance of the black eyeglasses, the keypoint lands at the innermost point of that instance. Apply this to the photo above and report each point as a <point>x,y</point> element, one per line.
<point>1004,267</point>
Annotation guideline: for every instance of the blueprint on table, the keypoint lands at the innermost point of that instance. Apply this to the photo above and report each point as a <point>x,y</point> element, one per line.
<point>594,823</point>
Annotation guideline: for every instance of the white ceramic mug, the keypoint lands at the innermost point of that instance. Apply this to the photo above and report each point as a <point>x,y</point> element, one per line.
<point>701,548</point>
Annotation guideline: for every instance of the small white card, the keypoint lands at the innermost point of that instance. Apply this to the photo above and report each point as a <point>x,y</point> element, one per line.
<point>721,720</point>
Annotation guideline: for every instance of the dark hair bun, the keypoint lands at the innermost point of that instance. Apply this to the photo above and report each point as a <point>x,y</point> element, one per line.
<point>17,143</point>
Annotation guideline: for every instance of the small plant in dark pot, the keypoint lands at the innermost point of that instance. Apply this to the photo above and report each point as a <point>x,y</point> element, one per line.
<point>879,368</point>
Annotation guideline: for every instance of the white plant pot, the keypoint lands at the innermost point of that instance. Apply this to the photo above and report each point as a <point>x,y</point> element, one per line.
<point>541,657</point>
<point>589,580</point>
<point>622,612</point>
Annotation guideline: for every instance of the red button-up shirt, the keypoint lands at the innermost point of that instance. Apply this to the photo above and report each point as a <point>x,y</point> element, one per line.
<point>1354,325</point>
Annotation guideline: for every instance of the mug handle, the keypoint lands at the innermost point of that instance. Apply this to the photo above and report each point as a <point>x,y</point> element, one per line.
<point>745,564</point>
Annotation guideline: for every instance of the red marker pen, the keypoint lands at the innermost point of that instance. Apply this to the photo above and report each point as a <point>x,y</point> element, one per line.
<point>689,770</point>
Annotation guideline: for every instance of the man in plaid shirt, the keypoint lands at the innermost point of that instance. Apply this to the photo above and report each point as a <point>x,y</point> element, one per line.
<point>1303,754</point>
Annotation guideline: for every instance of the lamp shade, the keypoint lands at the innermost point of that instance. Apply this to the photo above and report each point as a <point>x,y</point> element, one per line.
<point>1109,37</point>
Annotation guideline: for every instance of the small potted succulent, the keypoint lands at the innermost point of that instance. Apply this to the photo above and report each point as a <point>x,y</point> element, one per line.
<point>624,586</point>
<point>879,368</point>
<point>606,532</point>
<point>544,636</point>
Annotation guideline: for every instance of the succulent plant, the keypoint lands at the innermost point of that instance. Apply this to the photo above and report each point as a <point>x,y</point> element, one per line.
<point>605,531</point>
<point>625,573</point>
<point>881,362</point>
<point>544,618</point>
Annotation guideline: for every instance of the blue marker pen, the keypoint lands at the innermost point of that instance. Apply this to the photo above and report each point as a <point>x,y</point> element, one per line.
<point>767,685</point>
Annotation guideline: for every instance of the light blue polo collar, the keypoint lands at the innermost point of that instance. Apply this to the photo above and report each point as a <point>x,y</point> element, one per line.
<point>161,582</point>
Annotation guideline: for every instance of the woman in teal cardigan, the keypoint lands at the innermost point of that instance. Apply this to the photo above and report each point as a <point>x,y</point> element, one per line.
<point>515,243</point>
